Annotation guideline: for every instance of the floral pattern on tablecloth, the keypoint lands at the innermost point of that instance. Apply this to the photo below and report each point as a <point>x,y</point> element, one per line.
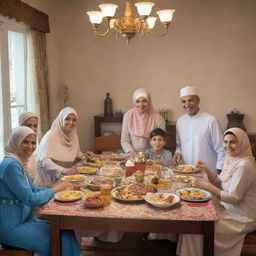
<point>117,209</point>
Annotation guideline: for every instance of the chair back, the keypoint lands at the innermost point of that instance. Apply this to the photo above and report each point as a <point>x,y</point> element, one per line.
<point>107,143</point>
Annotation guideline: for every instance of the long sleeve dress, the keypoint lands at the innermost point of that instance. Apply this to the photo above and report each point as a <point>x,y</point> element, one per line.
<point>236,212</point>
<point>199,137</point>
<point>19,227</point>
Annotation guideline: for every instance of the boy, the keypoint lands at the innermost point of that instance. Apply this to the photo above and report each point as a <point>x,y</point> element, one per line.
<point>157,152</point>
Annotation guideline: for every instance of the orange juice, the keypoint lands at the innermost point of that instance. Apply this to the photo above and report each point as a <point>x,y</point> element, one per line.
<point>105,192</point>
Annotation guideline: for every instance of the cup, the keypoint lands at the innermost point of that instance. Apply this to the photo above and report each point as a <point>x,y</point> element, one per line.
<point>118,181</point>
<point>105,192</point>
<point>139,176</point>
<point>107,157</point>
<point>140,166</point>
<point>129,170</point>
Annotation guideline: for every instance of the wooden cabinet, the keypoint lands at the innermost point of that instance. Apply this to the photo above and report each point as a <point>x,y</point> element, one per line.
<point>170,129</point>
<point>171,137</point>
<point>252,138</point>
<point>100,118</point>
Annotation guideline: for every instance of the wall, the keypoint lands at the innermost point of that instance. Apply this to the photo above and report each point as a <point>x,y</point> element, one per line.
<point>210,45</point>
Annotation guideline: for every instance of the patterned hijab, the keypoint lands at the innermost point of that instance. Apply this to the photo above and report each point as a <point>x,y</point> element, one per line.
<point>141,124</point>
<point>16,138</point>
<point>245,152</point>
<point>58,145</point>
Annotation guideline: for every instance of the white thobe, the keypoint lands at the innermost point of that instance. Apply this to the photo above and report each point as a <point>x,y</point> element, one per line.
<point>131,142</point>
<point>199,137</point>
<point>236,212</point>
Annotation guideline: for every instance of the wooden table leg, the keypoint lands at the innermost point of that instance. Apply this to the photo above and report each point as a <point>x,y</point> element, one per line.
<point>55,236</point>
<point>209,239</point>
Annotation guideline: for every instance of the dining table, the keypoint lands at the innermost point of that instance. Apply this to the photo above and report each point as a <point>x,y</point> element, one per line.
<point>182,218</point>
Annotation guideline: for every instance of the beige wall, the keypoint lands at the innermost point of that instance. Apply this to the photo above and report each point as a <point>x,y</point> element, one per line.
<point>210,45</point>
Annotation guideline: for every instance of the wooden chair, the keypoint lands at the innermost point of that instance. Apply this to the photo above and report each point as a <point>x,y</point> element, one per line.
<point>250,238</point>
<point>7,250</point>
<point>107,143</point>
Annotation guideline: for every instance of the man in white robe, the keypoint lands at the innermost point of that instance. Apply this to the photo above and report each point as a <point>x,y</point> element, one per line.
<point>199,136</point>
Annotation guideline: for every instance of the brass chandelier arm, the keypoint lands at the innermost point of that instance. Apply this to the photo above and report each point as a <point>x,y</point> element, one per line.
<point>101,34</point>
<point>166,26</point>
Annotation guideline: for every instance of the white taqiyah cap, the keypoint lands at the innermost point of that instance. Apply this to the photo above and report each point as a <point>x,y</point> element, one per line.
<point>188,90</point>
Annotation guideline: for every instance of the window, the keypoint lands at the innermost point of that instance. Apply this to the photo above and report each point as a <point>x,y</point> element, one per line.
<point>15,77</point>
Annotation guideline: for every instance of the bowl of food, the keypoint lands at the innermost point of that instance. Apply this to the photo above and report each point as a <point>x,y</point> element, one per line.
<point>95,182</point>
<point>162,200</point>
<point>93,202</point>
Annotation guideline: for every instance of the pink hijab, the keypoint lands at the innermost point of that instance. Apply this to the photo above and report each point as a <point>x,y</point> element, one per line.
<point>141,124</point>
<point>231,162</point>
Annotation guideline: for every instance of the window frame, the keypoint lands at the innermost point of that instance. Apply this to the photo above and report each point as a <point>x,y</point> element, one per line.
<point>7,25</point>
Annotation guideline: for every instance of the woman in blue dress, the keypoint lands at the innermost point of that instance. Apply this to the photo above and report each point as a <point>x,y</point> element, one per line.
<point>18,196</point>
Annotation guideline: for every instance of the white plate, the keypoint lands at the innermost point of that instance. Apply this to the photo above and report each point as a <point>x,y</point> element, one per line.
<point>114,195</point>
<point>91,170</point>
<point>79,193</point>
<point>205,198</point>
<point>178,170</point>
<point>150,199</point>
<point>111,171</point>
<point>74,178</point>
<point>183,178</point>
<point>95,187</point>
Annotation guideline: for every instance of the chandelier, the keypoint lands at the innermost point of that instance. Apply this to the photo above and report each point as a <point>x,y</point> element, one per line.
<point>128,26</point>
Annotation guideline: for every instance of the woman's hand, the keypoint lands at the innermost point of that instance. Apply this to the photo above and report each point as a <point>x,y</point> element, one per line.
<point>199,183</point>
<point>132,153</point>
<point>62,185</point>
<point>176,159</point>
<point>89,155</point>
<point>71,170</point>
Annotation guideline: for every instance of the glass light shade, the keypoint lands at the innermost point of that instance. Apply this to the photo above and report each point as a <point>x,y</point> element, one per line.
<point>108,10</point>
<point>95,17</point>
<point>151,21</point>
<point>165,15</point>
<point>144,8</point>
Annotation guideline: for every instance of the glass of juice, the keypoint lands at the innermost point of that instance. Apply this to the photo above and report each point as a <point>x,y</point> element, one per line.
<point>105,192</point>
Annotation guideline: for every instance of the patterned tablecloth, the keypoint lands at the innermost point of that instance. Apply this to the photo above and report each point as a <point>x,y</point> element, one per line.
<point>182,211</point>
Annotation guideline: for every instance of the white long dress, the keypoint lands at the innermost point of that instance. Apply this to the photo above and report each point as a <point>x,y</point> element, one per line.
<point>236,215</point>
<point>199,137</point>
<point>131,142</point>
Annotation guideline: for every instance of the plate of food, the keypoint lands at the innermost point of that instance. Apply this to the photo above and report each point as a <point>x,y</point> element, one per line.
<point>73,178</point>
<point>182,178</point>
<point>162,200</point>
<point>111,171</point>
<point>87,170</point>
<point>94,182</point>
<point>98,164</point>
<point>132,193</point>
<point>118,156</point>
<point>68,196</point>
<point>186,169</point>
<point>193,194</point>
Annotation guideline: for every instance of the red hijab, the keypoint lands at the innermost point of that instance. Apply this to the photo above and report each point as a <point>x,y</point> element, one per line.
<point>141,124</point>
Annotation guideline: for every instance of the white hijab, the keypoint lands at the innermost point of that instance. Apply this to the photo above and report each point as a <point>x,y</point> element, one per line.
<point>56,144</point>
<point>25,116</point>
<point>17,137</point>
